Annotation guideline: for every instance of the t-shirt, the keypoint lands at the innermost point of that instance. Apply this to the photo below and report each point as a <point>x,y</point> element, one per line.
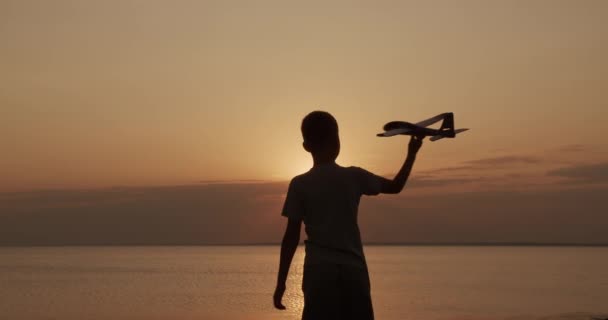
<point>327,198</point>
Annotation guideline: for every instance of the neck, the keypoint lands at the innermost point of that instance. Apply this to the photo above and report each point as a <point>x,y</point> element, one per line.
<point>319,160</point>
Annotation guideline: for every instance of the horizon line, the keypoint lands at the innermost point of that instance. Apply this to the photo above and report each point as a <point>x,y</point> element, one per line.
<point>388,244</point>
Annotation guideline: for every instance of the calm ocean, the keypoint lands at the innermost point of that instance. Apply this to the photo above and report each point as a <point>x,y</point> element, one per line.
<point>230,282</point>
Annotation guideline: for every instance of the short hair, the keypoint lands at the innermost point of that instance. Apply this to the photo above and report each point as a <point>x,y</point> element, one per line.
<point>319,128</point>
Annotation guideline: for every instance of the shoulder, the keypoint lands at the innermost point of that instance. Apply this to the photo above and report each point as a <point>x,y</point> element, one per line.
<point>357,170</point>
<point>300,177</point>
<point>369,183</point>
<point>358,174</point>
<point>364,175</point>
<point>298,180</point>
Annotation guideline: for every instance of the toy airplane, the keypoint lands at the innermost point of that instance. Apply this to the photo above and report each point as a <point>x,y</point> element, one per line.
<point>420,129</point>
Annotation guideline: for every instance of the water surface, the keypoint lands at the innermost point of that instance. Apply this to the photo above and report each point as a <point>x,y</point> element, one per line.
<point>230,282</point>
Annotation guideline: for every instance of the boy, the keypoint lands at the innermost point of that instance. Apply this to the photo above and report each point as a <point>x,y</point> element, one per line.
<point>335,281</point>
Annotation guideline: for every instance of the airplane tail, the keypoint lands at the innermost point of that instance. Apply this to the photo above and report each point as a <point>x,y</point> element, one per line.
<point>447,126</point>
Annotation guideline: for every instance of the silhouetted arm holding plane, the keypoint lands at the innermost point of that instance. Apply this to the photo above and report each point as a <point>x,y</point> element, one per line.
<point>291,239</point>
<point>397,184</point>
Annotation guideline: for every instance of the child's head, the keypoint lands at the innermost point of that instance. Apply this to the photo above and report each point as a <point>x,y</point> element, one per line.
<point>320,132</point>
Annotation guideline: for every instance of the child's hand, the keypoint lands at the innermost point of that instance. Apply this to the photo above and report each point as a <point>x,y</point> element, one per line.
<point>415,144</point>
<point>278,296</point>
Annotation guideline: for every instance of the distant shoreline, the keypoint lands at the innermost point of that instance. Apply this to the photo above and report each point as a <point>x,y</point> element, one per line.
<point>375,244</point>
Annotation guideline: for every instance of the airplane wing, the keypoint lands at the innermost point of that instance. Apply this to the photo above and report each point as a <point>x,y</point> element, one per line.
<point>430,121</point>
<point>393,132</point>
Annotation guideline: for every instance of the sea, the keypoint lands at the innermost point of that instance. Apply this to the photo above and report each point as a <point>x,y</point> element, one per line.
<point>237,282</point>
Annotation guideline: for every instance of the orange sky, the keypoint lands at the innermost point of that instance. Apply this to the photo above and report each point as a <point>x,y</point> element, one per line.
<point>97,94</point>
<point>104,93</point>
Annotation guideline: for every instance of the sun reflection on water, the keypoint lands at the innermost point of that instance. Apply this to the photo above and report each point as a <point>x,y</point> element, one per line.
<point>294,298</point>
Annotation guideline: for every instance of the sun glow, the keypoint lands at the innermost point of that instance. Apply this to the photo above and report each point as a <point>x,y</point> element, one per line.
<point>297,166</point>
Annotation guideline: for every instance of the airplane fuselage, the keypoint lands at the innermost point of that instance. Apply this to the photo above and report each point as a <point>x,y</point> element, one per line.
<point>421,128</point>
<point>414,130</point>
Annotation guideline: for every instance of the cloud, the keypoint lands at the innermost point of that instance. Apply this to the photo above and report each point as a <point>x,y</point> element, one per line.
<point>518,170</point>
<point>429,181</point>
<point>237,213</point>
<point>194,214</point>
<point>504,160</point>
<point>557,216</point>
<point>572,148</point>
<point>231,181</point>
<point>583,173</point>
<point>490,163</point>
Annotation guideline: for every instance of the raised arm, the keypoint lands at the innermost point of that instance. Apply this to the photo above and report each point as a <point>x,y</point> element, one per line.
<point>291,239</point>
<point>397,184</point>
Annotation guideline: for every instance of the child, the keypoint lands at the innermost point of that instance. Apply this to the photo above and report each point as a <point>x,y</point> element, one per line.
<point>335,281</point>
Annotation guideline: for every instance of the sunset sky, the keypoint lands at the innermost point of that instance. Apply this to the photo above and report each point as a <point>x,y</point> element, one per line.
<point>118,113</point>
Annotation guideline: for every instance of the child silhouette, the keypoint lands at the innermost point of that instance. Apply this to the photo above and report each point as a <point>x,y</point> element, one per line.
<point>326,198</point>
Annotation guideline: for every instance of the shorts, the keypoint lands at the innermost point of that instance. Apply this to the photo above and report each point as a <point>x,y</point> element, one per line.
<point>334,291</point>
